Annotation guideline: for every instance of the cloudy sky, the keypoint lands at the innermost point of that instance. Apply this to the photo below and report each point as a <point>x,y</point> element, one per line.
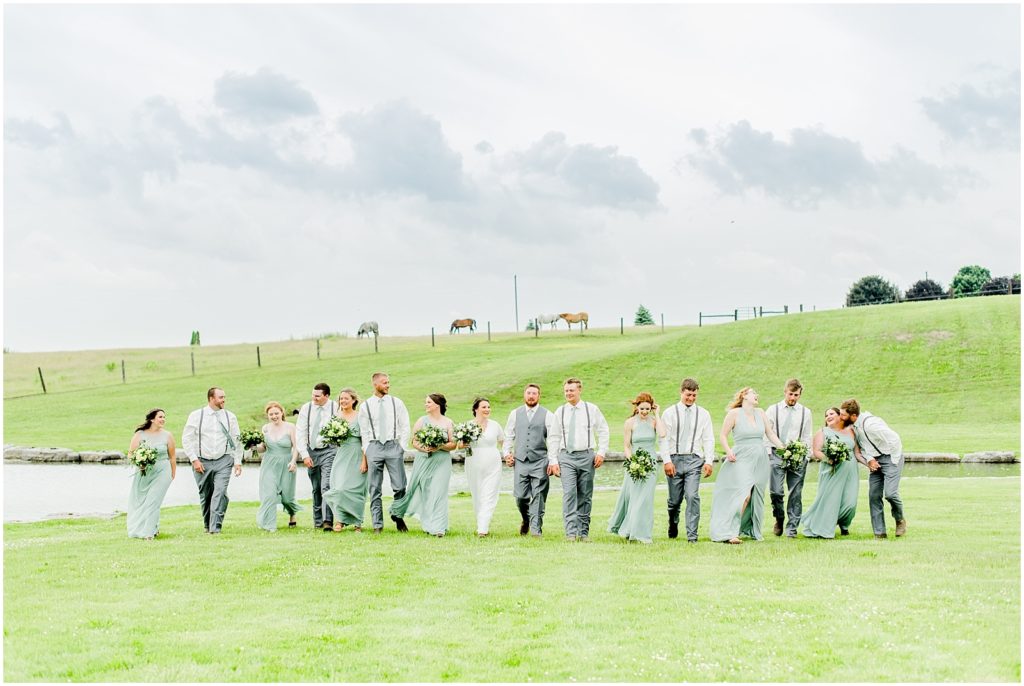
<point>265,171</point>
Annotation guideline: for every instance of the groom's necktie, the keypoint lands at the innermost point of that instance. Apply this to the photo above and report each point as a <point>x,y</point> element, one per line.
<point>316,423</point>
<point>687,427</point>
<point>572,431</point>
<point>786,424</point>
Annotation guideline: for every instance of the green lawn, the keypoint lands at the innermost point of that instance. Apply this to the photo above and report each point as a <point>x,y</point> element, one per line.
<point>945,375</point>
<point>84,603</point>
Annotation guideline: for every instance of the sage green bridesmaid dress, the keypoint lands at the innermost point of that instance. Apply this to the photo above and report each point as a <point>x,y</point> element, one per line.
<point>836,501</point>
<point>747,476</point>
<point>274,482</point>
<point>347,495</point>
<point>426,496</point>
<point>633,518</point>
<point>148,490</point>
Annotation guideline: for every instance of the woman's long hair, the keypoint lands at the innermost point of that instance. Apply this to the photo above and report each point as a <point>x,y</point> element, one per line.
<point>150,416</point>
<point>738,398</point>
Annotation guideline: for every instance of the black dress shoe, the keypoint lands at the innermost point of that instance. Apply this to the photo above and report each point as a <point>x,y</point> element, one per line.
<point>673,530</point>
<point>399,523</point>
<point>778,527</point>
<point>524,528</point>
<point>844,532</point>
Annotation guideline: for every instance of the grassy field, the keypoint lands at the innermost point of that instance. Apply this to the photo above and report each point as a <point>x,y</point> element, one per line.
<point>945,375</point>
<point>84,603</point>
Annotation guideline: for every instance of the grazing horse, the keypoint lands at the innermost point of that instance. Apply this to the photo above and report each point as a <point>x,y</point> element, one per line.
<point>551,319</point>
<point>462,323</point>
<point>580,318</point>
<point>367,328</point>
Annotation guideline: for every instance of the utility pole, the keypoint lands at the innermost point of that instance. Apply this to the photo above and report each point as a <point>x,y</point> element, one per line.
<point>515,291</point>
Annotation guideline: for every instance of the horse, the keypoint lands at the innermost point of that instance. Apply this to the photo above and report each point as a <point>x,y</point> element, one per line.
<point>462,323</point>
<point>551,319</point>
<point>580,318</point>
<point>367,328</point>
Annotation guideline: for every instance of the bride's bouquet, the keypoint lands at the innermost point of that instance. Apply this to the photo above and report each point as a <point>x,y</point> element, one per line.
<point>835,451</point>
<point>467,432</point>
<point>639,464</point>
<point>143,456</point>
<point>251,438</point>
<point>793,454</point>
<point>335,431</point>
<point>431,436</point>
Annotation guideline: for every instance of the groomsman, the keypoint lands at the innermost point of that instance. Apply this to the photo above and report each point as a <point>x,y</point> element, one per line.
<point>384,425</point>
<point>579,426</point>
<point>688,453</point>
<point>883,449</point>
<point>211,441</point>
<point>795,420</point>
<point>526,451</point>
<point>318,457</point>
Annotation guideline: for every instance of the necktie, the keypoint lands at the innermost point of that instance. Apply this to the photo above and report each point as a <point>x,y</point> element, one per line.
<point>380,418</point>
<point>572,431</point>
<point>786,424</point>
<point>316,424</point>
<point>687,429</point>
<point>529,415</point>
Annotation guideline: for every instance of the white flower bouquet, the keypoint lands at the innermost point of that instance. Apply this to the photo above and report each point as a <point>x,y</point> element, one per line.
<point>431,436</point>
<point>335,431</point>
<point>143,456</point>
<point>466,433</point>
<point>835,451</point>
<point>793,454</point>
<point>639,464</point>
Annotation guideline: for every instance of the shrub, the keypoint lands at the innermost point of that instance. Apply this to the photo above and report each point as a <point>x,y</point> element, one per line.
<point>969,280</point>
<point>872,290</point>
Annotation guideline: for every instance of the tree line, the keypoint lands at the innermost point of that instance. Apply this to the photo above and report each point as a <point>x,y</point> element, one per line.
<point>969,281</point>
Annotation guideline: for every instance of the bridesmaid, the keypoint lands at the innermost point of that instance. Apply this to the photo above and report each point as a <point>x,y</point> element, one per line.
<point>347,496</point>
<point>836,501</point>
<point>277,469</point>
<point>633,518</point>
<point>426,496</point>
<point>148,490</point>
<point>483,467</point>
<point>737,506</point>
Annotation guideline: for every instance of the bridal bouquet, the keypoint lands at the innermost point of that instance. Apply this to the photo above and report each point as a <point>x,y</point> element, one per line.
<point>835,452</point>
<point>335,431</point>
<point>143,456</point>
<point>793,454</point>
<point>639,464</point>
<point>467,432</point>
<point>431,436</point>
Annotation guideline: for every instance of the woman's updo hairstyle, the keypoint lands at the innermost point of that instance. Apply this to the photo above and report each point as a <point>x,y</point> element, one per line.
<point>440,401</point>
<point>476,404</point>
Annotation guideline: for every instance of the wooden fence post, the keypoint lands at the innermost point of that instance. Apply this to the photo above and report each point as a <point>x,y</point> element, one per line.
<point>432,337</point>
<point>259,363</point>
<point>488,331</point>
<point>622,329</point>
<point>41,379</point>
<point>124,378</point>
<point>318,348</point>
<point>192,354</point>
<point>375,343</point>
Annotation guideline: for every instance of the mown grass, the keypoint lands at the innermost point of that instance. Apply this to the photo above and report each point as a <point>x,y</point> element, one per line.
<point>945,375</point>
<point>84,603</point>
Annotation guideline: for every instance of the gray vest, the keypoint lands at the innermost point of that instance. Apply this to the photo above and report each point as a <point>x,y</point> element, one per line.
<point>531,436</point>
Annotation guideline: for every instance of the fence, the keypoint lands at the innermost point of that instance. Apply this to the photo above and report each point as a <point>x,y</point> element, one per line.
<point>739,313</point>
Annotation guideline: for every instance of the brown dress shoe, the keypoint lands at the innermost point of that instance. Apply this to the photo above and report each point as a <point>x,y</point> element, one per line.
<point>901,527</point>
<point>524,528</point>
<point>778,527</point>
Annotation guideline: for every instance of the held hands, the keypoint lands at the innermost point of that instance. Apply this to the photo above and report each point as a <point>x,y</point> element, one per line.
<point>730,456</point>
<point>670,469</point>
<point>308,461</point>
<point>510,460</point>
<point>873,465</point>
<point>363,465</point>
<point>198,466</point>
<point>598,461</point>
<point>291,467</point>
<point>706,470</point>
<point>553,470</point>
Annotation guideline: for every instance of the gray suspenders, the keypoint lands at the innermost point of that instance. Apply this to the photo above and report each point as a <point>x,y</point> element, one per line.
<point>679,427</point>
<point>227,431</point>
<point>309,412</point>
<point>865,432</point>
<point>394,418</point>
<point>778,426</point>
<point>565,436</point>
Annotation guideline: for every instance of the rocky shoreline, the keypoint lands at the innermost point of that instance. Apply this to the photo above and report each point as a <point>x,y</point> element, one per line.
<point>67,455</point>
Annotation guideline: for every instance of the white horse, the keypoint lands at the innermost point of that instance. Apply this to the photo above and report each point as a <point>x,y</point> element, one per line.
<point>551,319</point>
<point>367,328</point>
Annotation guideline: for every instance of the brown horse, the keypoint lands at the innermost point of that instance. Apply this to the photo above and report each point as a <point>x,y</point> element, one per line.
<point>580,318</point>
<point>462,323</point>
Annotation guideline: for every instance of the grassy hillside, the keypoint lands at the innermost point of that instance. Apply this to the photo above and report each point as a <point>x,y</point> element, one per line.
<point>945,375</point>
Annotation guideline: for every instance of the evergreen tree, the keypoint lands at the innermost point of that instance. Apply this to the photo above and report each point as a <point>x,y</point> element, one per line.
<point>643,317</point>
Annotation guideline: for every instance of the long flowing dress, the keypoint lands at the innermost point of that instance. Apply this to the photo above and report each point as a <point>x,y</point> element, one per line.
<point>347,495</point>
<point>426,496</point>
<point>633,518</point>
<point>836,501</point>
<point>483,471</point>
<point>747,476</point>
<point>148,490</point>
<point>274,482</point>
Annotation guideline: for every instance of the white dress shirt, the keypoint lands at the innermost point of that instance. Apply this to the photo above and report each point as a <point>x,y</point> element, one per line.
<point>510,430</point>
<point>798,414</point>
<point>305,438</point>
<point>213,439</point>
<point>875,438</point>
<point>558,440</point>
<point>701,438</point>
<point>377,421</point>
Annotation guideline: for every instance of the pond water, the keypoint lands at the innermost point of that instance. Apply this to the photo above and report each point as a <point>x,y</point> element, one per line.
<point>34,491</point>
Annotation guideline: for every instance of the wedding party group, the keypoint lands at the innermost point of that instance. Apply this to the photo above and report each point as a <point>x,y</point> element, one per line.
<point>347,443</point>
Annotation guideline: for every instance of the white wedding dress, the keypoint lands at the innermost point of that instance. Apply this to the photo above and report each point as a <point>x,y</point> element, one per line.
<point>483,471</point>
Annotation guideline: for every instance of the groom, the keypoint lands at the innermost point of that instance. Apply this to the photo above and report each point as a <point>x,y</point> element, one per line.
<point>318,457</point>
<point>210,439</point>
<point>526,451</point>
<point>883,449</point>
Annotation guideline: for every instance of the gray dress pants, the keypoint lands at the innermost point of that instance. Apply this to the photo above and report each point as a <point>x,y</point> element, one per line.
<point>781,481</point>
<point>213,490</point>
<point>685,485</point>
<point>577,470</point>
<point>379,455</point>
<point>885,484</point>
<point>530,489</point>
<point>320,478</point>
